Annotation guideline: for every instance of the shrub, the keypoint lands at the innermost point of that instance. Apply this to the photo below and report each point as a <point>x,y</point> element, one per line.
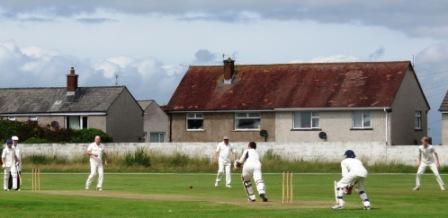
<point>41,159</point>
<point>35,140</point>
<point>87,135</point>
<point>31,132</point>
<point>140,158</point>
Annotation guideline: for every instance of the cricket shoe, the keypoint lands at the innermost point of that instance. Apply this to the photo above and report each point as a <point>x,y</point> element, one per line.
<point>216,184</point>
<point>337,207</point>
<point>263,197</point>
<point>367,208</point>
<point>442,188</point>
<point>416,188</point>
<point>228,186</point>
<point>99,189</point>
<point>6,190</point>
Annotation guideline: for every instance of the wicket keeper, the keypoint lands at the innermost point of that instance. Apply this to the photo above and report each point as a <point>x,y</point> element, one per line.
<point>353,174</point>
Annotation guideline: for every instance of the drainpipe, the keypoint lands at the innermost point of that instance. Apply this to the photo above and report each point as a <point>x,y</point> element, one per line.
<point>171,128</point>
<point>387,130</point>
<point>387,125</point>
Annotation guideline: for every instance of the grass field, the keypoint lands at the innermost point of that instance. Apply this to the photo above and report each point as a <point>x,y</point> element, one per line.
<point>170,195</point>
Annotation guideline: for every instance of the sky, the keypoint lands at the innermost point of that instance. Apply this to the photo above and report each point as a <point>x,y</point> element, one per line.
<point>149,44</point>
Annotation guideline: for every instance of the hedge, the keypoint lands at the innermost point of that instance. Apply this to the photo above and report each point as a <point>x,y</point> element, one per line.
<point>30,132</point>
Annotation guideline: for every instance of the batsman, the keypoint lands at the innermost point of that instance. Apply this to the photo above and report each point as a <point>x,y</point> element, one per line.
<point>250,161</point>
<point>353,175</point>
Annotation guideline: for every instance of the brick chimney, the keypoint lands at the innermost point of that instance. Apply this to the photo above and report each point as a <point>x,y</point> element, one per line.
<point>229,70</point>
<point>72,82</point>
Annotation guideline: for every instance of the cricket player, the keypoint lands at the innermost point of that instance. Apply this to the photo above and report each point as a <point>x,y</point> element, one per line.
<point>353,173</point>
<point>250,161</point>
<point>9,165</point>
<point>428,157</point>
<point>225,152</point>
<point>15,144</point>
<point>97,154</point>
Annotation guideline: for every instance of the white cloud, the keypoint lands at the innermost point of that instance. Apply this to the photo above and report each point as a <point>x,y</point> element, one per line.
<point>328,59</point>
<point>34,66</point>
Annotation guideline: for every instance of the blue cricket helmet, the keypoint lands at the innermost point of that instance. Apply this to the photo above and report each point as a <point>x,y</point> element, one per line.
<point>349,154</point>
<point>8,142</point>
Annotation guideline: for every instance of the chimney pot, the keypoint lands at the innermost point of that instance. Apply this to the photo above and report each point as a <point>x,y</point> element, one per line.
<point>72,82</point>
<point>229,70</point>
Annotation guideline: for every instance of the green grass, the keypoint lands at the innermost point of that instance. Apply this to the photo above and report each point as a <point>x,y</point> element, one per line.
<point>170,195</point>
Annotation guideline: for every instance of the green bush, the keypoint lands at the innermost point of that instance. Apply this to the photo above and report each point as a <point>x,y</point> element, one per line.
<point>87,135</point>
<point>139,158</point>
<point>41,159</point>
<point>30,132</point>
<point>35,140</point>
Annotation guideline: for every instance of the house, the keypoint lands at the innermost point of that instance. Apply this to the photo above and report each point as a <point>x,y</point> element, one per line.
<point>155,122</point>
<point>444,110</point>
<point>111,109</point>
<point>305,102</point>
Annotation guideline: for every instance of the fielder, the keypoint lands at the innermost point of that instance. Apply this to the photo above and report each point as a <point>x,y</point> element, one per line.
<point>353,173</point>
<point>97,154</point>
<point>9,165</point>
<point>252,168</point>
<point>224,153</point>
<point>15,144</point>
<point>428,157</point>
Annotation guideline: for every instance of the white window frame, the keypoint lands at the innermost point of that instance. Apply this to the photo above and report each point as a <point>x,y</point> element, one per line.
<point>81,122</point>
<point>160,135</point>
<point>418,120</point>
<point>314,115</point>
<point>247,116</point>
<point>362,120</point>
<point>33,119</point>
<point>12,118</point>
<point>196,116</point>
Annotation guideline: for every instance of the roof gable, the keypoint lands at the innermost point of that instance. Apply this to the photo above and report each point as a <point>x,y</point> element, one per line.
<point>309,85</point>
<point>55,100</point>
<point>444,105</point>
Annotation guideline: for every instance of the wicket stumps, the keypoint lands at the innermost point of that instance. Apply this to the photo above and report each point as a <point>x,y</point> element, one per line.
<point>35,179</point>
<point>287,187</point>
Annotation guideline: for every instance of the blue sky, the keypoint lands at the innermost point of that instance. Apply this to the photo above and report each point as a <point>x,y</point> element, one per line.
<point>150,43</point>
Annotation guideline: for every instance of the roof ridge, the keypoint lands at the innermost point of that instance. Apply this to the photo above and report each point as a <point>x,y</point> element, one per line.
<point>16,88</point>
<point>311,63</point>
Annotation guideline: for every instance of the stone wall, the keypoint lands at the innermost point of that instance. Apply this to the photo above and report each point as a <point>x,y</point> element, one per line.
<point>369,152</point>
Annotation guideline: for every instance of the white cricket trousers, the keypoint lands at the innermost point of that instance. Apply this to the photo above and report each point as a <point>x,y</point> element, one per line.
<point>224,167</point>
<point>13,171</point>
<point>351,180</point>
<point>253,170</point>
<point>95,167</point>
<point>422,169</point>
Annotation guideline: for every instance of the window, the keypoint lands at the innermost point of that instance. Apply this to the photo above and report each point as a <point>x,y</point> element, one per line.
<point>156,137</point>
<point>306,120</point>
<point>12,118</point>
<point>84,123</point>
<point>33,119</point>
<point>361,120</point>
<point>418,120</point>
<point>195,121</point>
<point>247,121</point>
<point>76,122</point>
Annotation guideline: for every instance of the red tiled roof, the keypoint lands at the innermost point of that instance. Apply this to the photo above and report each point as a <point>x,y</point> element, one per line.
<point>307,85</point>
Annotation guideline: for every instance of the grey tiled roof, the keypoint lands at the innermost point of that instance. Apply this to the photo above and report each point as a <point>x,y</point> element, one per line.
<point>55,100</point>
<point>444,106</point>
